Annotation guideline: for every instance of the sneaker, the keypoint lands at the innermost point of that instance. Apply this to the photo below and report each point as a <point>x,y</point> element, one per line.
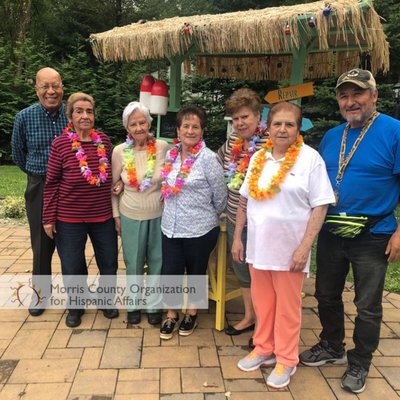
<point>168,327</point>
<point>280,376</point>
<point>353,380</point>
<point>187,325</point>
<point>254,361</point>
<point>322,353</point>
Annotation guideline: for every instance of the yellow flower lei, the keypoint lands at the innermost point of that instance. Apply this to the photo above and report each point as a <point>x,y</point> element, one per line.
<point>258,164</point>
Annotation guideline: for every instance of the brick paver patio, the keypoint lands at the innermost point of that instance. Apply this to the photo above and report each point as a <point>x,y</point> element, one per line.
<point>102,360</point>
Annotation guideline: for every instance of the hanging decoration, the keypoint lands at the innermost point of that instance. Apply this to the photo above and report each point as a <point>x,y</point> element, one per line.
<point>287,30</point>
<point>187,29</point>
<point>327,10</point>
<point>311,22</point>
<point>274,67</point>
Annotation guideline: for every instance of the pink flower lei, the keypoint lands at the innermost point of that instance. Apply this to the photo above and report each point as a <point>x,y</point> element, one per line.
<point>168,190</point>
<point>82,157</point>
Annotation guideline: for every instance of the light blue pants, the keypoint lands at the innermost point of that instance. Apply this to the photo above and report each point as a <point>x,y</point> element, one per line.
<point>141,245</point>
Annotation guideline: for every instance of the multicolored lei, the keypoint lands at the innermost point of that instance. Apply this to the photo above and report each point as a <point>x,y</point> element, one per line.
<point>237,167</point>
<point>130,167</point>
<point>168,190</point>
<point>82,157</point>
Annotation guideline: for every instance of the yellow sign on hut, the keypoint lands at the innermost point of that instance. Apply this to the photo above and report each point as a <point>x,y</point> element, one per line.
<point>290,93</point>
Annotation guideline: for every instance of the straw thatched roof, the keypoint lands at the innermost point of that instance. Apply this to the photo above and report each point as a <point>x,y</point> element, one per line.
<point>258,44</point>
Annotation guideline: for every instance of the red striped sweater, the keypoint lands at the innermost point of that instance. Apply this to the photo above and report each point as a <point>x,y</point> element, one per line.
<point>67,195</point>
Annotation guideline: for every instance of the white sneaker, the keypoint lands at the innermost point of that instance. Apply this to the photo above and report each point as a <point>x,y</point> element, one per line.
<point>280,376</point>
<point>254,361</point>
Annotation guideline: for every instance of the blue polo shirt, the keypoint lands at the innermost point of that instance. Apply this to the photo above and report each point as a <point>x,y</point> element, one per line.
<point>371,184</point>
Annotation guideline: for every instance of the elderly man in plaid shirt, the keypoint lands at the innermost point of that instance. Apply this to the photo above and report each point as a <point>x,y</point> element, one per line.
<point>35,128</point>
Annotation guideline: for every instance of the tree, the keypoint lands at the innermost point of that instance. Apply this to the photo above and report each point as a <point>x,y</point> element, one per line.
<point>389,10</point>
<point>17,90</point>
<point>55,33</point>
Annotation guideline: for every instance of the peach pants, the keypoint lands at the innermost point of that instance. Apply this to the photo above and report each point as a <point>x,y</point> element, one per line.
<point>276,299</point>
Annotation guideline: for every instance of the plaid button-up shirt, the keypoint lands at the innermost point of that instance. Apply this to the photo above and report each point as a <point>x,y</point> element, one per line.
<point>34,130</point>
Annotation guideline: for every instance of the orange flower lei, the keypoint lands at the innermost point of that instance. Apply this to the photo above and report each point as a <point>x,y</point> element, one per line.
<point>258,164</point>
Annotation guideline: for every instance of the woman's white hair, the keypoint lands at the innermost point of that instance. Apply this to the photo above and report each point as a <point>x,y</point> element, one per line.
<point>131,108</point>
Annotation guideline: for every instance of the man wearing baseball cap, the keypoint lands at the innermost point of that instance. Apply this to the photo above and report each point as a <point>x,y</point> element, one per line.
<point>362,157</point>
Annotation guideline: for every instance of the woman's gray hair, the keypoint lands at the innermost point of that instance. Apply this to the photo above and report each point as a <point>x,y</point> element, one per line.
<point>131,108</point>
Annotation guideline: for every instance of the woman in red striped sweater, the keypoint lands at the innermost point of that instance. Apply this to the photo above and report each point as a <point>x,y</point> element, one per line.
<point>77,201</point>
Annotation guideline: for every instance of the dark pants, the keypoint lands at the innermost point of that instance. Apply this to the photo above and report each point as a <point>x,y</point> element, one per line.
<point>71,242</point>
<point>188,255</point>
<point>42,246</point>
<point>366,255</point>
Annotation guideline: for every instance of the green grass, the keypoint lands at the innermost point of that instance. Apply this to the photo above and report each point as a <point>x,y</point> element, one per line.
<point>12,181</point>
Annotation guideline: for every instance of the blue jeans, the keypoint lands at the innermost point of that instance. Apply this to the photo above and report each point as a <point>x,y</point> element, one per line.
<point>71,241</point>
<point>366,255</point>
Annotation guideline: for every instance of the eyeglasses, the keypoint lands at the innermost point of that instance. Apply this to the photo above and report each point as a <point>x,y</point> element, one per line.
<point>56,86</point>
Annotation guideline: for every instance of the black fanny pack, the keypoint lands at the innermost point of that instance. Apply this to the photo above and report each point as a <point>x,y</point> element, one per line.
<point>350,226</point>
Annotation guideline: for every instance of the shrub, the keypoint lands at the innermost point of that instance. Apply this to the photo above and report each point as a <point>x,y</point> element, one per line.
<point>13,207</point>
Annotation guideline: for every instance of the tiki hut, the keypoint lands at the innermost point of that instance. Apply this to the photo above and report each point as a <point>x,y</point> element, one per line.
<point>306,41</point>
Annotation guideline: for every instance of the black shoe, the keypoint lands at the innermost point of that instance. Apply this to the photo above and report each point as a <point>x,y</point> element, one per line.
<point>353,380</point>
<point>35,312</point>
<point>73,318</point>
<point>322,353</point>
<point>154,318</point>
<point>168,327</point>
<point>188,325</point>
<point>111,313</point>
<point>232,331</point>
<point>134,317</point>
<point>251,344</point>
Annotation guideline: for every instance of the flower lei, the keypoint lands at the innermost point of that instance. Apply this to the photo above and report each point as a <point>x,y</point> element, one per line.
<point>130,166</point>
<point>258,164</point>
<point>168,190</point>
<point>237,167</point>
<point>82,157</point>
